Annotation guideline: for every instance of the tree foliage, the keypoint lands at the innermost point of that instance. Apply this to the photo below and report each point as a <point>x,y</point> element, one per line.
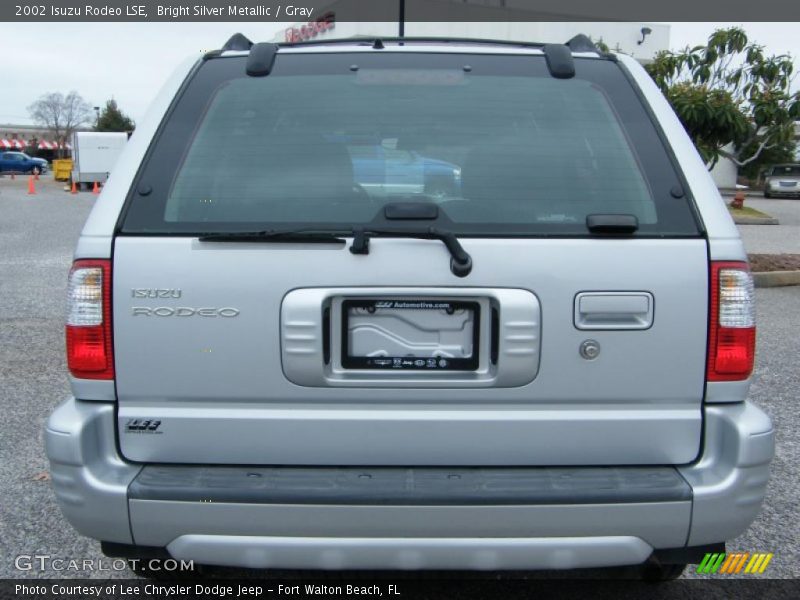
<point>61,114</point>
<point>729,93</point>
<point>113,119</point>
<point>601,45</point>
<point>780,153</point>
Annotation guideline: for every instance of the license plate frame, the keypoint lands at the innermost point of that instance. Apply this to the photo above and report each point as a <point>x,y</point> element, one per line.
<point>417,363</point>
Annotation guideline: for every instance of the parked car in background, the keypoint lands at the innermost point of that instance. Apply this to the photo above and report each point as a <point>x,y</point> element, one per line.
<point>386,171</point>
<point>783,181</point>
<point>19,162</point>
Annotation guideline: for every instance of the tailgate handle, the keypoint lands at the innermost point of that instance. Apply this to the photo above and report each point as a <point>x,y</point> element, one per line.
<point>613,310</point>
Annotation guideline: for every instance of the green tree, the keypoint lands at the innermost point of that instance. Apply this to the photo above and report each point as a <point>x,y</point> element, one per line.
<point>730,94</point>
<point>113,119</point>
<point>601,45</point>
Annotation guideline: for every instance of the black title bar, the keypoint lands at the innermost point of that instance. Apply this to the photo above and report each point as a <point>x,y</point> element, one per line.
<point>292,11</point>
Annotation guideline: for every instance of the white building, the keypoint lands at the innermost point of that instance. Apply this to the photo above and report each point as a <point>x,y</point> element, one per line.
<point>725,172</point>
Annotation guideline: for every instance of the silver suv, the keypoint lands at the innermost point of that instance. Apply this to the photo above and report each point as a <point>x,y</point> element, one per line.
<point>283,357</point>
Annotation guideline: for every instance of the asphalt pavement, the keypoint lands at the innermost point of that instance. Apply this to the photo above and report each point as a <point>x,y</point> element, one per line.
<point>37,238</point>
<point>774,239</point>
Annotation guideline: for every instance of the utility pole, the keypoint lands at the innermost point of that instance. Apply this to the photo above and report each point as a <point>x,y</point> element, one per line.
<point>402,21</point>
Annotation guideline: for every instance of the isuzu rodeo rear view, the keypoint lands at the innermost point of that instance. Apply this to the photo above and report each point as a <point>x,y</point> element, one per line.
<point>411,304</point>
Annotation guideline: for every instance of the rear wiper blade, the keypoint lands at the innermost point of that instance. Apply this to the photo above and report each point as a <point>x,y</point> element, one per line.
<point>460,260</point>
<point>276,236</point>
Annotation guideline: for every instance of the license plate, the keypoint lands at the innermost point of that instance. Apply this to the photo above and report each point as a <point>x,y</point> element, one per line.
<point>410,334</point>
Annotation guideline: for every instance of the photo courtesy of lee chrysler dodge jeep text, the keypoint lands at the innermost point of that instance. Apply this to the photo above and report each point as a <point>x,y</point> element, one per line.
<point>411,304</point>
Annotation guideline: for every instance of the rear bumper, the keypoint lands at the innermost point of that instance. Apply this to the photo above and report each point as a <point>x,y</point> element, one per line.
<point>410,553</point>
<point>542,526</point>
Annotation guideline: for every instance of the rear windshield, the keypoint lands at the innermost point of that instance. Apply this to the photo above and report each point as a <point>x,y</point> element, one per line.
<point>326,140</point>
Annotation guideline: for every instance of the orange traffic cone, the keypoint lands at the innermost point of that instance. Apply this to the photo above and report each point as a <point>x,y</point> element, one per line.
<point>31,186</point>
<point>96,189</point>
<point>74,189</point>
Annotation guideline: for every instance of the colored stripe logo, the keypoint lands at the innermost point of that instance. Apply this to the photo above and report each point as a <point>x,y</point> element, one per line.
<point>734,562</point>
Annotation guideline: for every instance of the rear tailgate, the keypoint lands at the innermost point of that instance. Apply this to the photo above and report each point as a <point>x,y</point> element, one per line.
<point>219,389</point>
<point>569,348</point>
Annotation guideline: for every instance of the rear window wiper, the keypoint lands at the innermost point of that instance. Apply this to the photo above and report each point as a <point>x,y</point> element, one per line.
<point>275,235</point>
<point>460,260</point>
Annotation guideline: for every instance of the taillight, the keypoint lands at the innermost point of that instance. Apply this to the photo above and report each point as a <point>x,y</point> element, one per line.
<point>89,350</point>
<point>732,323</point>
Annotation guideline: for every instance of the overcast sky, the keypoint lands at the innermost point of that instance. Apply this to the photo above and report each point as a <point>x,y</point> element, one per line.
<point>130,61</point>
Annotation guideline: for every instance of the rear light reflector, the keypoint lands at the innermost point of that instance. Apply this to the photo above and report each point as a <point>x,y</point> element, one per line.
<point>732,323</point>
<point>88,327</point>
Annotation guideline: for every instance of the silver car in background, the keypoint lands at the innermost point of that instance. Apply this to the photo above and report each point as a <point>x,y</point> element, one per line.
<point>783,181</point>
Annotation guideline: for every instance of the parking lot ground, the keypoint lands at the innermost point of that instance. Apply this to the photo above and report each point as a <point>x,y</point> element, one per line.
<point>774,239</point>
<point>37,238</point>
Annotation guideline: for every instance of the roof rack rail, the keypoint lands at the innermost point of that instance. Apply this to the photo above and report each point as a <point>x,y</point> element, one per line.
<point>559,61</point>
<point>261,59</point>
<point>559,56</point>
<point>370,40</point>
